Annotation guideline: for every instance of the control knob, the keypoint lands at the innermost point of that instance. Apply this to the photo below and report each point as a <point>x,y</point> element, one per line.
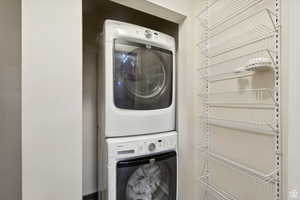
<point>151,147</point>
<point>148,34</point>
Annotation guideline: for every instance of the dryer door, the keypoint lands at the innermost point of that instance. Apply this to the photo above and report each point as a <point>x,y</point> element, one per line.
<point>148,178</point>
<point>142,76</point>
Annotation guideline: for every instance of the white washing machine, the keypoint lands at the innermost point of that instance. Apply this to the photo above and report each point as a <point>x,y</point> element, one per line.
<point>136,80</point>
<point>139,167</point>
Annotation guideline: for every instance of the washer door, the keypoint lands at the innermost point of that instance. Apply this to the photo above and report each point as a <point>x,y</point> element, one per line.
<point>142,76</point>
<point>148,178</point>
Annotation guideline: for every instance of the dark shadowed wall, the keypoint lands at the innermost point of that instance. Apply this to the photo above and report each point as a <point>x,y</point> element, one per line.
<point>10,99</point>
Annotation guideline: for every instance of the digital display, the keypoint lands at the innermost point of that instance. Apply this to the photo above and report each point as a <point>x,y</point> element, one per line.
<point>126,151</point>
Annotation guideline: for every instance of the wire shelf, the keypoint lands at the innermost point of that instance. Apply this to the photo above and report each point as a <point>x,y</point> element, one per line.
<point>250,126</point>
<point>258,27</point>
<point>226,76</point>
<point>228,69</point>
<point>255,179</point>
<point>228,8</point>
<point>265,178</point>
<point>255,98</point>
<point>217,193</point>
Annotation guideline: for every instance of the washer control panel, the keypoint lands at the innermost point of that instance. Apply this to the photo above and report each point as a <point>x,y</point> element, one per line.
<point>119,148</point>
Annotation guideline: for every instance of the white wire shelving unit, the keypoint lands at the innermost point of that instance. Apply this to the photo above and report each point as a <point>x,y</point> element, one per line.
<point>259,98</point>
<point>264,128</point>
<point>265,178</point>
<point>226,69</point>
<point>230,27</point>
<point>228,8</point>
<point>262,180</point>
<point>257,27</point>
<point>214,190</point>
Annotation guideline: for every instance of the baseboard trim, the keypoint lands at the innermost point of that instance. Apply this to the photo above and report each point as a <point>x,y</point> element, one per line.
<point>93,196</point>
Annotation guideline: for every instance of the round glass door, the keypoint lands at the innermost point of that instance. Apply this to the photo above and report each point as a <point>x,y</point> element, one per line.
<point>144,74</point>
<point>151,177</point>
<point>148,182</point>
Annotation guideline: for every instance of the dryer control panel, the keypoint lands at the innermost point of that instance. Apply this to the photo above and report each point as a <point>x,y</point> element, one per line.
<point>116,29</point>
<point>119,148</point>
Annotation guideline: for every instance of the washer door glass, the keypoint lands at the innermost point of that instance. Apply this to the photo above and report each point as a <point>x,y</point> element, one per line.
<point>148,178</point>
<point>142,76</point>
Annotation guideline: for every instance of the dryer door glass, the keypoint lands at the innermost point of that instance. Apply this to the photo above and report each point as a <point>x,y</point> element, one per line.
<point>148,178</point>
<point>142,76</point>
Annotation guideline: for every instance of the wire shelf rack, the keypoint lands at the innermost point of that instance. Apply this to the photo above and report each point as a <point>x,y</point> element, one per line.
<point>241,39</point>
<point>228,69</point>
<point>259,180</point>
<point>228,8</point>
<point>257,27</point>
<point>217,193</point>
<point>256,98</point>
<point>226,76</point>
<point>264,177</point>
<point>250,126</point>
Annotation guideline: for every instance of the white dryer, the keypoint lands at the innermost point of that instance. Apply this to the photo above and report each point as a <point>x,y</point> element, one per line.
<point>136,80</point>
<point>139,167</point>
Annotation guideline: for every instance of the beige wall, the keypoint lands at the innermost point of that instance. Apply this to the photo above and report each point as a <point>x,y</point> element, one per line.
<point>294,97</point>
<point>10,99</point>
<point>185,110</point>
<point>52,100</point>
<point>178,6</point>
<point>290,96</point>
<point>174,11</point>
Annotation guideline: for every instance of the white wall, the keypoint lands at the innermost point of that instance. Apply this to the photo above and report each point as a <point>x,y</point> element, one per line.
<point>285,60</point>
<point>52,100</point>
<point>178,6</point>
<point>174,11</point>
<point>294,97</point>
<point>185,110</point>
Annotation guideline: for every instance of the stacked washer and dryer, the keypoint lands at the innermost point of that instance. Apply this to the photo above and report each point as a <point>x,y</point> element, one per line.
<point>136,121</point>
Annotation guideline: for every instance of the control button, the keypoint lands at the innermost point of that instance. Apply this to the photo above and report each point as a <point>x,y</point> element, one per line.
<point>148,34</point>
<point>141,149</point>
<point>151,147</point>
